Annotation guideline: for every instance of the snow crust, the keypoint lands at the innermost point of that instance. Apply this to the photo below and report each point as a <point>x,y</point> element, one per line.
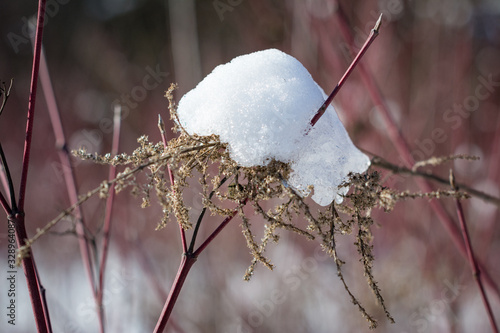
<point>261,105</point>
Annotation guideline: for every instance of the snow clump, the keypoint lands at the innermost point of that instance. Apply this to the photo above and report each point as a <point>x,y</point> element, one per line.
<point>261,105</point>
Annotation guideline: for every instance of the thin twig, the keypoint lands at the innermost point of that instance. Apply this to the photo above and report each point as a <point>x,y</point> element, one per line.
<point>161,126</point>
<point>200,218</point>
<point>44,301</point>
<point>5,94</point>
<point>28,263</point>
<point>67,170</point>
<point>369,40</point>
<point>380,162</point>
<point>83,198</point>
<point>476,272</point>
<point>433,161</point>
<point>32,102</point>
<point>219,229</point>
<point>107,219</point>
<point>188,259</point>
<point>404,151</point>
<point>5,205</point>
<point>10,184</point>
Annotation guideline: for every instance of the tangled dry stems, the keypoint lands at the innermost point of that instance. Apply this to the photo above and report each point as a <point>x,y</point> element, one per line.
<point>222,181</point>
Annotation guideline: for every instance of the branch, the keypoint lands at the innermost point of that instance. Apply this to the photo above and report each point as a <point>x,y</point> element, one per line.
<point>5,93</point>
<point>5,205</point>
<point>476,272</point>
<point>161,126</point>
<point>219,229</point>
<point>42,322</point>
<point>31,104</point>
<point>108,219</point>
<point>369,40</point>
<point>380,162</point>
<point>404,151</point>
<point>10,184</point>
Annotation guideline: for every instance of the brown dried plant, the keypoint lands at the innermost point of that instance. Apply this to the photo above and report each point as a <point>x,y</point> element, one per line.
<point>226,187</point>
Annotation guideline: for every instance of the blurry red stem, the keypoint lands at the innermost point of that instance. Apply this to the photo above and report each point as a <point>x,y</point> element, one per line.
<point>66,168</point>
<point>17,218</point>
<point>403,149</point>
<point>108,218</point>
<point>476,272</point>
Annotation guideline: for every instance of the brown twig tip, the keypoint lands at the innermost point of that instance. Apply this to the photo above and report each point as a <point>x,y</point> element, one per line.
<point>452,180</point>
<point>377,24</point>
<point>161,124</point>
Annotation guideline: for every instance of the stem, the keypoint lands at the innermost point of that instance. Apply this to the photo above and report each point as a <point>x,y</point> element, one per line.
<point>476,272</point>
<point>188,259</point>
<point>28,264</point>
<point>42,322</point>
<point>184,268</point>
<point>369,40</point>
<point>5,94</point>
<point>202,214</point>
<point>5,205</point>
<point>66,168</point>
<point>108,219</point>
<point>161,126</point>
<point>393,130</point>
<point>219,229</point>
<point>10,184</point>
<point>380,162</point>
<point>31,104</point>
<point>43,296</point>
<point>404,151</point>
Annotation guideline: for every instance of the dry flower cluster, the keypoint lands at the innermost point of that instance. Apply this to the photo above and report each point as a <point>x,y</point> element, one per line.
<point>227,187</point>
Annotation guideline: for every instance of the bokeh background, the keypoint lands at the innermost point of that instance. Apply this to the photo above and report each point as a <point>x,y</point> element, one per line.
<point>435,62</point>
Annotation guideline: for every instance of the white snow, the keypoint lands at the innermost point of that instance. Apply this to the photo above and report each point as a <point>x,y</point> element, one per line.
<point>261,104</point>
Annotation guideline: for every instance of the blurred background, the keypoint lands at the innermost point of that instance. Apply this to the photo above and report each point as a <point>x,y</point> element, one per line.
<point>436,64</point>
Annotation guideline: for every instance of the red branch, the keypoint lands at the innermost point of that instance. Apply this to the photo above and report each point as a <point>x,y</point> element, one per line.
<point>28,263</point>
<point>369,40</point>
<point>107,219</point>
<point>188,259</point>
<point>403,149</point>
<point>31,103</point>
<point>66,169</point>
<point>476,272</point>
<point>5,205</point>
<point>186,263</point>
